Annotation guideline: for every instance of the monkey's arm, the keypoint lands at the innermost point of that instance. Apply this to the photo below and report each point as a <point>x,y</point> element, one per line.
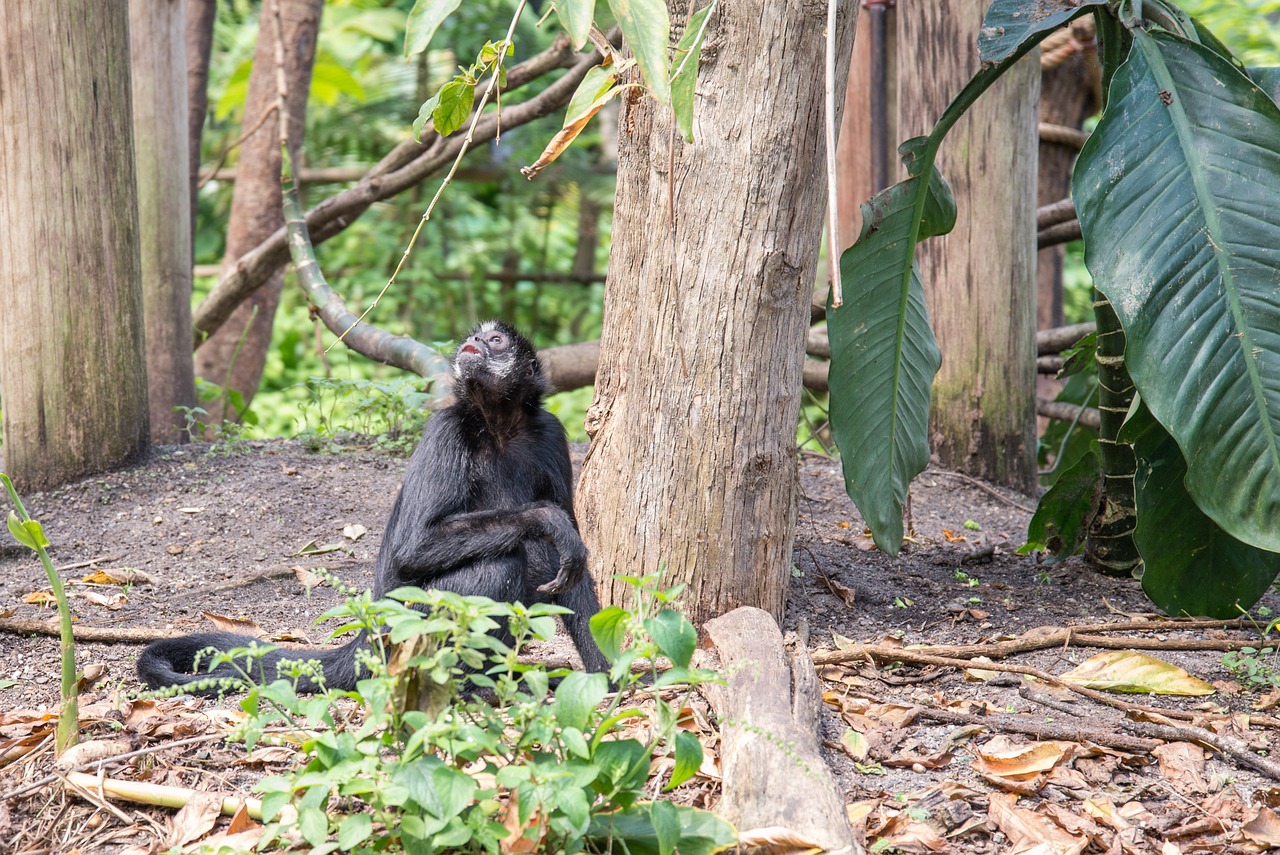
<point>418,553</point>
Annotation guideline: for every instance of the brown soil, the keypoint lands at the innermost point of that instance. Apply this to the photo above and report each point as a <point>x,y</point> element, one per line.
<point>193,517</point>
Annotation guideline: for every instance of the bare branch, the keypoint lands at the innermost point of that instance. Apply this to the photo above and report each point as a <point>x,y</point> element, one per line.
<point>404,166</point>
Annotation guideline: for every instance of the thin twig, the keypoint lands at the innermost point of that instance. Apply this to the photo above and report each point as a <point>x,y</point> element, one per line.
<point>209,176</point>
<point>91,561</point>
<point>466,146</point>
<point>1041,729</point>
<point>976,483</point>
<point>95,765</point>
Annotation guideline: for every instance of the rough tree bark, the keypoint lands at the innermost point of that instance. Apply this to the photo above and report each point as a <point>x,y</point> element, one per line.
<point>198,37</point>
<point>164,208</point>
<point>72,359</point>
<point>692,461</point>
<point>234,356</point>
<point>980,279</point>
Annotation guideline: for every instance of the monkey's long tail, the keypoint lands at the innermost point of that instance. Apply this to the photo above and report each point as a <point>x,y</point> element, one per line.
<point>172,662</point>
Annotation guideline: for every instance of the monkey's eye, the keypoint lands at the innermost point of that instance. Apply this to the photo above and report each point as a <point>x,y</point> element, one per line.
<point>495,339</point>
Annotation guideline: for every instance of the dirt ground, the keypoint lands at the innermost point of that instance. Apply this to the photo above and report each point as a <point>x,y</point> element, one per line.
<point>193,518</point>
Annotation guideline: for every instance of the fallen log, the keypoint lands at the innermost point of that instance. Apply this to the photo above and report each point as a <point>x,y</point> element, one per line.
<point>773,776</point>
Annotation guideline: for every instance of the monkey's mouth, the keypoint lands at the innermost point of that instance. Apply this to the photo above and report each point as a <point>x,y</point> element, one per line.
<point>469,348</point>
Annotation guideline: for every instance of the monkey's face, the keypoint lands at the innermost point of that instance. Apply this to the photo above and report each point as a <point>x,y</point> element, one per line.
<point>493,351</point>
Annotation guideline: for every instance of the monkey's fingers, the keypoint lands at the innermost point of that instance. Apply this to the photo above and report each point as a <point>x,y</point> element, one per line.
<point>562,582</point>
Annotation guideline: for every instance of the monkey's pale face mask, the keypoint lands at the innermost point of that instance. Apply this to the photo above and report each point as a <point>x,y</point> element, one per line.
<point>488,348</point>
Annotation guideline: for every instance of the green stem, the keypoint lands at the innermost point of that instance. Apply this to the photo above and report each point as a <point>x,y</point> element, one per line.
<point>67,732</point>
<point>1109,542</point>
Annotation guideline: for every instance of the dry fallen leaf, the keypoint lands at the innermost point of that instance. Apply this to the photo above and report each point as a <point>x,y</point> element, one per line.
<point>1030,832</point>
<point>1182,764</point>
<point>354,532</point>
<point>1263,830</point>
<point>855,745</point>
<point>521,839</point>
<point>1003,758</point>
<point>903,832</point>
<point>243,626</point>
<point>776,840</point>
<point>117,576</point>
<point>1133,672</point>
<point>40,598</point>
<point>308,578</point>
<point>113,601</point>
<point>196,818</point>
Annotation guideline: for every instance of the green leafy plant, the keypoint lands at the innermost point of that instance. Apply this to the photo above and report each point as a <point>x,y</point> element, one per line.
<point>1178,194</point>
<point>1255,667</point>
<point>457,744</point>
<point>30,534</point>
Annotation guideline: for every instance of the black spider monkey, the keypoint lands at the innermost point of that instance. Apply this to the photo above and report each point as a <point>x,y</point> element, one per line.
<point>486,508</point>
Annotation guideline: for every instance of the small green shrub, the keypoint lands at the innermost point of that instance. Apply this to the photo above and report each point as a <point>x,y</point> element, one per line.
<point>455,744</point>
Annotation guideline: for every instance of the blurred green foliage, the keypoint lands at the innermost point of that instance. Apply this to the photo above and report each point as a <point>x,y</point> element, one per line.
<point>364,97</point>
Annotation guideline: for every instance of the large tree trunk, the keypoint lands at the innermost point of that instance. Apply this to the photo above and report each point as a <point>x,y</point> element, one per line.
<point>198,37</point>
<point>234,356</point>
<point>164,208</point>
<point>72,360</point>
<point>980,279</point>
<point>693,462</point>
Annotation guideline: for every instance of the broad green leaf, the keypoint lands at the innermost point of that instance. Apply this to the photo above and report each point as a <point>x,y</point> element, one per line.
<point>688,759</point>
<point>30,533</point>
<point>1192,566</point>
<point>685,73</point>
<point>1009,24</point>
<point>608,628</point>
<point>1136,673</point>
<point>883,354</point>
<point>666,826</point>
<point>1179,197</point>
<point>674,635</point>
<point>314,825</point>
<point>1268,79</point>
<point>623,764</point>
<point>456,98</point>
<point>577,697</point>
<point>701,832</point>
<point>424,19</point>
<point>1058,525</point>
<point>575,16</point>
<point>645,24</point>
<point>592,93</point>
<point>354,829</point>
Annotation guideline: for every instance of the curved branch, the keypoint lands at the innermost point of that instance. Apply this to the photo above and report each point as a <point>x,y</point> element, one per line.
<point>404,166</point>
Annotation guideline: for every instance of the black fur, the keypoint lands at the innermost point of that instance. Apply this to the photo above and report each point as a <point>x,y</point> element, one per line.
<point>486,509</point>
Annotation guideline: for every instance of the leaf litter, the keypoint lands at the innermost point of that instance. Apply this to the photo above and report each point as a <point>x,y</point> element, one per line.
<point>928,758</point>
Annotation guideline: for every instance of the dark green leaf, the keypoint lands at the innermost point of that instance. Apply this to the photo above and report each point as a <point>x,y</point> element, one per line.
<point>577,697</point>
<point>701,832</point>
<point>1059,523</point>
<point>1179,197</point>
<point>1009,24</point>
<point>1193,567</point>
<point>1268,79</point>
<point>685,72</point>
<point>424,19</point>
<point>1079,357</point>
<point>674,635</point>
<point>645,25</point>
<point>688,759</point>
<point>883,353</point>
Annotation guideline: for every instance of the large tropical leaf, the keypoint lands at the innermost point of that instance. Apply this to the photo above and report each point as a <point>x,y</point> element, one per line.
<point>883,354</point>
<point>1009,24</point>
<point>1192,566</point>
<point>1179,197</point>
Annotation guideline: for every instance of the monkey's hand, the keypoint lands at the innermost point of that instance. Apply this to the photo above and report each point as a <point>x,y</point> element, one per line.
<point>573,566</point>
